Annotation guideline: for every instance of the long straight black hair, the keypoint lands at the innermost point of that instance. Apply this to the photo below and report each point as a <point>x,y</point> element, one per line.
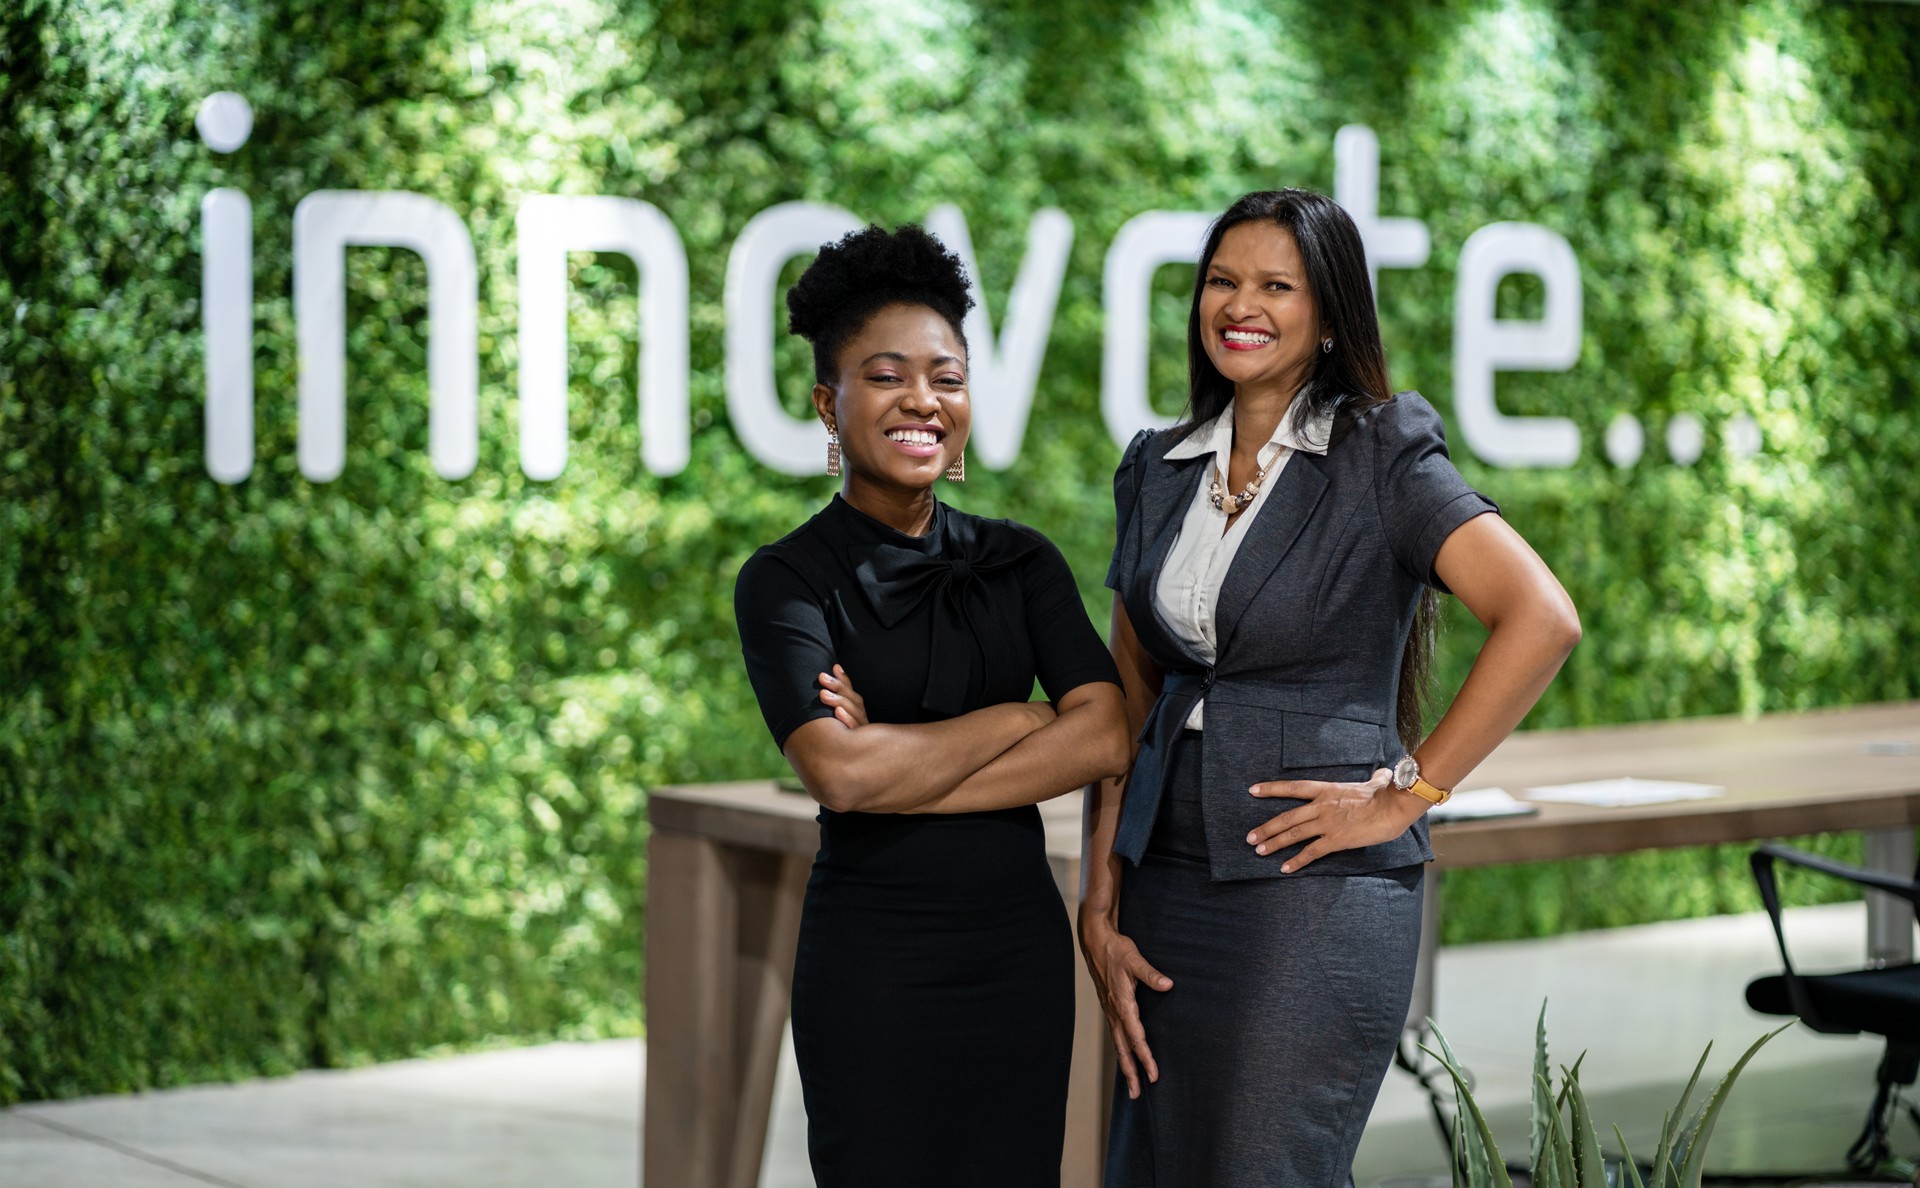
<point>1345,381</point>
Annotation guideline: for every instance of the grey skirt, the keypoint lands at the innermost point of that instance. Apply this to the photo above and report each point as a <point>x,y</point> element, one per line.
<point>1288,997</point>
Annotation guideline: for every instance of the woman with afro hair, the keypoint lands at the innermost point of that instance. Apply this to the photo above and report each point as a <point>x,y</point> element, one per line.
<point>893,644</point>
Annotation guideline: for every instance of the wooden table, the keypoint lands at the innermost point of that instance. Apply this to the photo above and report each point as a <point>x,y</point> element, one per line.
<point>727,869</point>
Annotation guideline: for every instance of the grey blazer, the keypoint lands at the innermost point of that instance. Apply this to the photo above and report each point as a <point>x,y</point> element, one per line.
<point>1312,622</point>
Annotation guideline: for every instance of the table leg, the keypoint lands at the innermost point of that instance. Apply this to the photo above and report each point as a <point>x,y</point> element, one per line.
<point>773,887</point>
<point>721,928</point>
<point>1090,1084</point>
<point>1889,919</point>
<point>690,1029</point>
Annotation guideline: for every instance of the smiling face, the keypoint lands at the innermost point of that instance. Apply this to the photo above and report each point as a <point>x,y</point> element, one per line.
<point>900,401</point>
<point>1257,315</point>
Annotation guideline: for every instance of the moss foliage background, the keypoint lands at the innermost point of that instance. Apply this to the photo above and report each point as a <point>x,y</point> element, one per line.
<point>297,774</point>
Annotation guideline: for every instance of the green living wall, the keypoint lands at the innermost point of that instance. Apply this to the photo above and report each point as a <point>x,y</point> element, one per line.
<point>306,774</point>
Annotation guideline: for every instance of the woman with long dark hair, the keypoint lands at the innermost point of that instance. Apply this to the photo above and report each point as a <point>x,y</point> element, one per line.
<point>1252,905</point>
<point>893,644</point>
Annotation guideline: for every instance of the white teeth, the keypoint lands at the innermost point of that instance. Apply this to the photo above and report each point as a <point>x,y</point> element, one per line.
<point>914,437</point>
<point>1249,336</point>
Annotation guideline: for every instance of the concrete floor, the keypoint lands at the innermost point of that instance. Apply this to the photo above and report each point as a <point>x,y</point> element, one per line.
<point>1643,1001</point>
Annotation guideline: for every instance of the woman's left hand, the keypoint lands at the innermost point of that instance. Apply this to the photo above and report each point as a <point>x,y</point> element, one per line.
<point>837,691</point>
<point>1336,816</point>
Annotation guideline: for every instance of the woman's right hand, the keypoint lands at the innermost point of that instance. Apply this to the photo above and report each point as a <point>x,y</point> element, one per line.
<point>1116,965</point>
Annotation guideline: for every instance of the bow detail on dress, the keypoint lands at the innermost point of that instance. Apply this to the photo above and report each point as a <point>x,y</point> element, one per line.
<point>896,580</point>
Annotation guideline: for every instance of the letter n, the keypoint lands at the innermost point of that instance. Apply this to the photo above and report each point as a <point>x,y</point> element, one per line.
<point>325,224</point>
<point>549,226</point>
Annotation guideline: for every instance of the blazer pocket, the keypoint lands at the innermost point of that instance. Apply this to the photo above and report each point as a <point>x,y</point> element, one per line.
<point>1309,740</point>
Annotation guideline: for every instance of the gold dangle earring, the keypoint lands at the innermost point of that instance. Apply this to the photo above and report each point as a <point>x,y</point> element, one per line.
<point>957,473</point>
<point>833,452</point>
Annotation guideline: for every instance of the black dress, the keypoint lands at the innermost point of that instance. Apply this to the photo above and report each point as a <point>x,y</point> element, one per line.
<point>933,987</point>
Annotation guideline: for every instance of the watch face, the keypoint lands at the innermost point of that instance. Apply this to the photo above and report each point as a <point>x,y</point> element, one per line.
<point>1405,772</point>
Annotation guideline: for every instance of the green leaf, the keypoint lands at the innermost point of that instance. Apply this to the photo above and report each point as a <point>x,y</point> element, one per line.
<point>1564,1165</point>
<point>1484,1164</point>
<point>1629,1170</point>
<point>1665,1175</point>
<point>1546,1166</point>
<point>1695,1167</point>
<point>1460,1178</point>
<point>1590,1167</point>
<point>1543,1110</point>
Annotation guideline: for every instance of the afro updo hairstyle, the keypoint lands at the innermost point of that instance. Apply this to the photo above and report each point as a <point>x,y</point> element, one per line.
<point>864,272</point>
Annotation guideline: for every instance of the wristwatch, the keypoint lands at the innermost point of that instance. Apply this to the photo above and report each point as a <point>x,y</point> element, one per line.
<point>1406,777</point>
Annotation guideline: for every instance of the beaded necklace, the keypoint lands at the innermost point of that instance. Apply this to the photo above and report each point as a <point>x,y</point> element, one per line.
<point>1233,505</point>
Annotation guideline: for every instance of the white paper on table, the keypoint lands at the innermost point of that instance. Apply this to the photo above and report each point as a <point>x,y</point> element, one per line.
<point>1624,793</point>
<point>1478,804</point>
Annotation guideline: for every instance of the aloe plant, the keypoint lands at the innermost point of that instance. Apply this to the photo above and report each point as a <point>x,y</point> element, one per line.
<point>1564,1144</point>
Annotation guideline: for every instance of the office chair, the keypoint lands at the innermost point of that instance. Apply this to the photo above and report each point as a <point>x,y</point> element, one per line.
<point>1885,1002</point>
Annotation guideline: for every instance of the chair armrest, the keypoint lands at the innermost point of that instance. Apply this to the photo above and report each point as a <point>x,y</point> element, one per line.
<point>1762,860</point>
<point>1907,889</point>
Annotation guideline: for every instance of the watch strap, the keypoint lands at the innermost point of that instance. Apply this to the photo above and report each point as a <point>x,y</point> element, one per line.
<point>1427,792</point>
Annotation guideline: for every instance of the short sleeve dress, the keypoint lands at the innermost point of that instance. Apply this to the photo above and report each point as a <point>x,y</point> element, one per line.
<point>933,985</point>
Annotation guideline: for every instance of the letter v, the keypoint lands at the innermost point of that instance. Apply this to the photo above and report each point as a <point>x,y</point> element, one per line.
<point>1003,372</point>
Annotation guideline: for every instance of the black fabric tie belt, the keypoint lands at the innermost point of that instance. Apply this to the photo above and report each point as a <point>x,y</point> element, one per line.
<point>1179,689</point>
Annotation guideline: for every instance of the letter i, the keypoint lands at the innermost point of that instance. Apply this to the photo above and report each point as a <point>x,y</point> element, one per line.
<point>225,120</point>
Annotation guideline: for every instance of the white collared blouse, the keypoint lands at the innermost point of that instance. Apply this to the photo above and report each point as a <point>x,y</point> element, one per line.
<point>1189,587</point>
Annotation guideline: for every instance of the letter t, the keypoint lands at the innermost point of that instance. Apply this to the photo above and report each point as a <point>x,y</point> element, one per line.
<point>1390,243</point>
